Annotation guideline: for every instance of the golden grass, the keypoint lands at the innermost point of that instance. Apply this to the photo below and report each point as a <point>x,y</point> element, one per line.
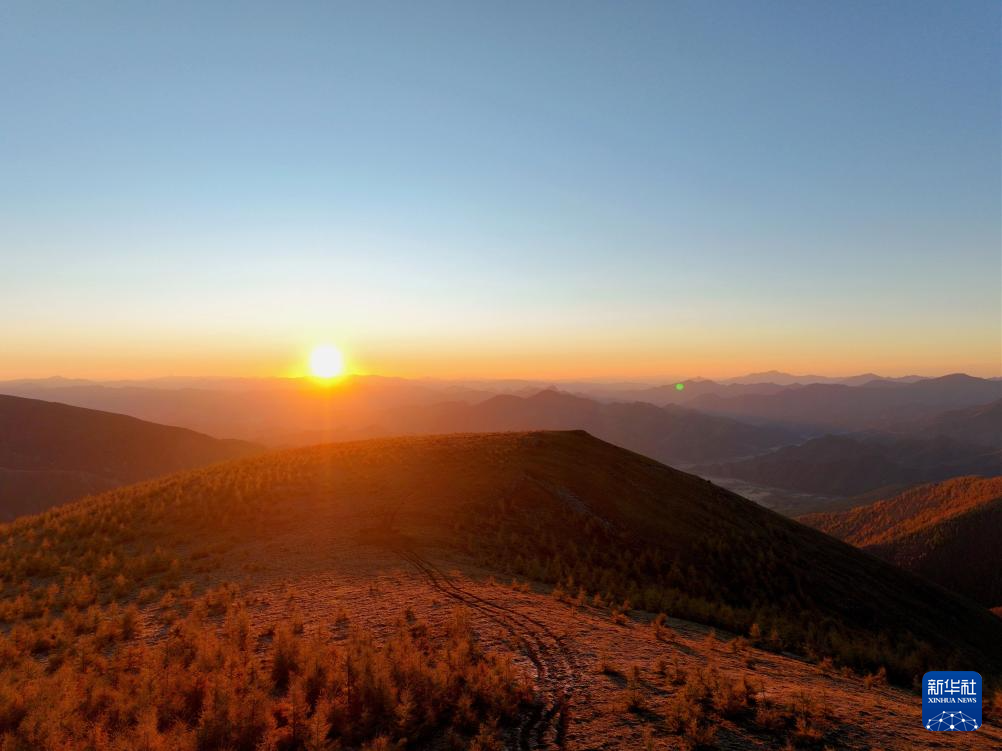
<point>84,681</point>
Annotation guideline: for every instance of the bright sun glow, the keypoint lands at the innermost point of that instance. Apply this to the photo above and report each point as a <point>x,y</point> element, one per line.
<point>326,361</point>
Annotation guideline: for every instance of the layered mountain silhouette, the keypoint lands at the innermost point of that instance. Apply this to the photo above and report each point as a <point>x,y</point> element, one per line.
<point>272,409</point>
<point>876,405</point>
<point>51,453</point>
<point>946,532</point>
<point>692,390</point>
<point>980,425</point>
<point>769,435</point>
<point>789,379</point>
<point>670,434</point>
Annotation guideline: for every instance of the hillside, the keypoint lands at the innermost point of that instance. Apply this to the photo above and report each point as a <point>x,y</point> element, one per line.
<point>528,495</point>
<point>850,465</point>
<point>51,453</point>
<point>672,434</point>
<point>338,569</point>
<point>946,532</point>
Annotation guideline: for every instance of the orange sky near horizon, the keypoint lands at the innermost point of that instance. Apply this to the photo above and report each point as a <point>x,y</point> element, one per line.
<point>566,359</point>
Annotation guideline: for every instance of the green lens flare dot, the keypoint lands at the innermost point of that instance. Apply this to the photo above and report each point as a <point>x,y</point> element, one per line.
<point>679,386</point>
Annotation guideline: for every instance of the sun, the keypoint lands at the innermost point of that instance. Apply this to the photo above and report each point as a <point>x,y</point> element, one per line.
<point>326,361</point>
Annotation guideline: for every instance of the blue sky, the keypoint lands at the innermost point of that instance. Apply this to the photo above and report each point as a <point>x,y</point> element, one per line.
<point>466,189</point>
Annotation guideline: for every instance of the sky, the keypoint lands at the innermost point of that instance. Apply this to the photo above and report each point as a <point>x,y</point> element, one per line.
<point>500,189</point>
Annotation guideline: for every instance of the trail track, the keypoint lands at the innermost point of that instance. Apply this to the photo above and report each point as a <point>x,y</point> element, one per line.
<point>545,725</point>
<point>374,576</point>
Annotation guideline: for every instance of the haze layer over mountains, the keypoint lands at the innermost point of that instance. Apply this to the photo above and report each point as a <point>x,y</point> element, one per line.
<point>795,446</point>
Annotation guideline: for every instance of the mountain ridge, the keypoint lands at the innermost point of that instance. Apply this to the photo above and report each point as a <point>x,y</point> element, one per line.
<point>945,532</point>
<point>52,452</point>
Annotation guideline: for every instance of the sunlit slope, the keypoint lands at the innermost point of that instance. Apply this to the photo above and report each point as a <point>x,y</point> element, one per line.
<point>911,511</point>
<point>559,507</point>
<point>947,532</point>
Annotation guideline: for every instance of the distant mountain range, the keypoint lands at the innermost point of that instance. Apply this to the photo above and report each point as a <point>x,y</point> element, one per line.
<point>51,453</point>
<point>981,425</point>
<point>947,532</point>
<point>669,434</point>
<point>833,441</point>
<point>788,379</point>
<point>493,385</point>
<point>274,411</point>
<point>691,391</point>
<point>935,447</point>
<point>876,405</point>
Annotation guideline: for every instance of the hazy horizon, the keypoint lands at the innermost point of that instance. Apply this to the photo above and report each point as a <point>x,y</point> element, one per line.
<point>304,374</point>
